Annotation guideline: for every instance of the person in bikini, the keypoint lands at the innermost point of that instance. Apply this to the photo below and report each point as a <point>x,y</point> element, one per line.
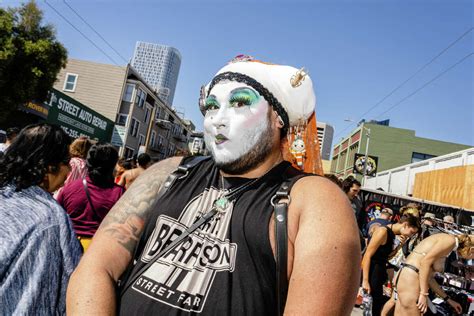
<point>379,248</point>
<point>415,277</point>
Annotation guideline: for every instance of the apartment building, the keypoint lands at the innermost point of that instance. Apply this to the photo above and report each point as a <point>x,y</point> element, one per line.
<point>143,121</point>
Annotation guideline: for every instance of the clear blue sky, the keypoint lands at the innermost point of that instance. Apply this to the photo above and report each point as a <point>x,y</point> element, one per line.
<point>356,52</point>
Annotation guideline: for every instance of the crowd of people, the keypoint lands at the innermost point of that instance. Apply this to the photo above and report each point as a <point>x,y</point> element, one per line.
<point>88,199</point>
<point>413,240</point>
<point>54,194</point>
<point>240,232</point>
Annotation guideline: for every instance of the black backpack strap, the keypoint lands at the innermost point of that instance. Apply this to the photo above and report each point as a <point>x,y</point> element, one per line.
<point>281,243</point>
<point>181,172</point>
<point>280,202</point>
<point>84,183</point>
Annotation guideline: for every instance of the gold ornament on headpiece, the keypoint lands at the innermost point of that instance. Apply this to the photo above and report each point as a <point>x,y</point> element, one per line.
<point>298,78</point>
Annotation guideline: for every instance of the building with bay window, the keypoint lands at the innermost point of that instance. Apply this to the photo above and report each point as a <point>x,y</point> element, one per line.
<point>143,121</point>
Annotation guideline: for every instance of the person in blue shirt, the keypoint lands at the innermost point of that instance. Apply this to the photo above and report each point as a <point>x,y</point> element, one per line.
<point>384,219</point>
<point>38,247</point>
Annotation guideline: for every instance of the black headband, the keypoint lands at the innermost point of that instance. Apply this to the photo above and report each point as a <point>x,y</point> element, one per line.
<point>235,76</point>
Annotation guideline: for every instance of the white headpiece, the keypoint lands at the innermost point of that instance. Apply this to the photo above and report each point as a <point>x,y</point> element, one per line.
<point>288,90</point>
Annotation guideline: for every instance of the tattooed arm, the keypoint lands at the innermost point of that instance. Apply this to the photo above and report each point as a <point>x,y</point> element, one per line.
<point>91,288</point>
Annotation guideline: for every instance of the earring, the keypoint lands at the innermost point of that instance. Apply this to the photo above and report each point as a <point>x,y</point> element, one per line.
<point>280,120</point>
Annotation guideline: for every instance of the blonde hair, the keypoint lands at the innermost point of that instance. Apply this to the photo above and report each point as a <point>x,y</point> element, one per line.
<point>411,208</point>
<point>80,147</point>
<point>466,242</point>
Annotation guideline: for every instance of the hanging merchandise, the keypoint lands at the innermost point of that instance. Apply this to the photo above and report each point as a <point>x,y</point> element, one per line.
<point>373,198</point>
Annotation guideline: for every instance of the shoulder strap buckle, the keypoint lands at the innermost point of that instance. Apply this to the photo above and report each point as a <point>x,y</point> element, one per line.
<point>280,198</point>
<point>184,170</point>
<point>282,195</point>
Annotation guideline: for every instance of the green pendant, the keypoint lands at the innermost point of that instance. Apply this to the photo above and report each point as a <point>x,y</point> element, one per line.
<point>221,203</point>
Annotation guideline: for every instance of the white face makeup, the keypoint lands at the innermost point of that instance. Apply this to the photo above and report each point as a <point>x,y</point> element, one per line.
<point>236,116</point>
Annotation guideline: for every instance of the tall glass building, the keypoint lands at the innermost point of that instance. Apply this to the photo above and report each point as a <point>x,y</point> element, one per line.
<point>159,67</point>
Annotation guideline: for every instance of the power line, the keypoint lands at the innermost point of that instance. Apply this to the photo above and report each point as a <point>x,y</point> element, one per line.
<point>87,38</point>
<point>95,31</point>
<point>426,84</point>
<point>411,77</point>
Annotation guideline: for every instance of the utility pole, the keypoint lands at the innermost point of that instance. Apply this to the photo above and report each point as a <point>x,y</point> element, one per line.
<point>367,130</point>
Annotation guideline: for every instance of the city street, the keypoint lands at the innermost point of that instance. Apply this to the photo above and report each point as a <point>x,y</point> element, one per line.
<point>217,158</point>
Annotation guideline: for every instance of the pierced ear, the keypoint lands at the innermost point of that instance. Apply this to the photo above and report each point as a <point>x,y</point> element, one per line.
<point>280,122</point>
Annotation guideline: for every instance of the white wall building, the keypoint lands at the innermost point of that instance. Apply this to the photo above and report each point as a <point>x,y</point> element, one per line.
<point>401,180</point>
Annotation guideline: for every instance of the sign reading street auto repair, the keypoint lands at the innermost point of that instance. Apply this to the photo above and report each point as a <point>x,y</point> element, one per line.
<point>77,119</point>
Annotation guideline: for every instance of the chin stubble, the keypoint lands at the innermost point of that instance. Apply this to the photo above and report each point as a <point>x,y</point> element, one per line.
<point>253,157</point>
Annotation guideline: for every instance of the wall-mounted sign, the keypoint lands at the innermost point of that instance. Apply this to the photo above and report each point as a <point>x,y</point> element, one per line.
<point>76,118</point>
<point>37,109</point>
<point>359,164</point>
<point>196,146</point>
<point>118,136</point>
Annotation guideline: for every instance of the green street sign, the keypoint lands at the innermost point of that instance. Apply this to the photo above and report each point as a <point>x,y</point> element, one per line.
<point>76,118</point>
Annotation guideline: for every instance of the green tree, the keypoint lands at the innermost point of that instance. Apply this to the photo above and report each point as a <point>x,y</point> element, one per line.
<point>30,57</point>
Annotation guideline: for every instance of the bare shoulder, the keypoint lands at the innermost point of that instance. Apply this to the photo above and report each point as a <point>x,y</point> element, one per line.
<point>438,245</point>
<point>314,195</point>
<point>127,173</point>
<point>379,237</point>
<point>126,219</point>
<point>326,249</point>
<point>144,189</point>
<point>380,232</point>
<point>320,210</point>
<point>160,170</point>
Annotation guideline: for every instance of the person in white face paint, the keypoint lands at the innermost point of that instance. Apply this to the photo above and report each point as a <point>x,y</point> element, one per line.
<point>233,254</point>
<point>237,126</point>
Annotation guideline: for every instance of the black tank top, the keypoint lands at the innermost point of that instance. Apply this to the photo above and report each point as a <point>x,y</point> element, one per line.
<point>383,252</point>
<point>226,268</point>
